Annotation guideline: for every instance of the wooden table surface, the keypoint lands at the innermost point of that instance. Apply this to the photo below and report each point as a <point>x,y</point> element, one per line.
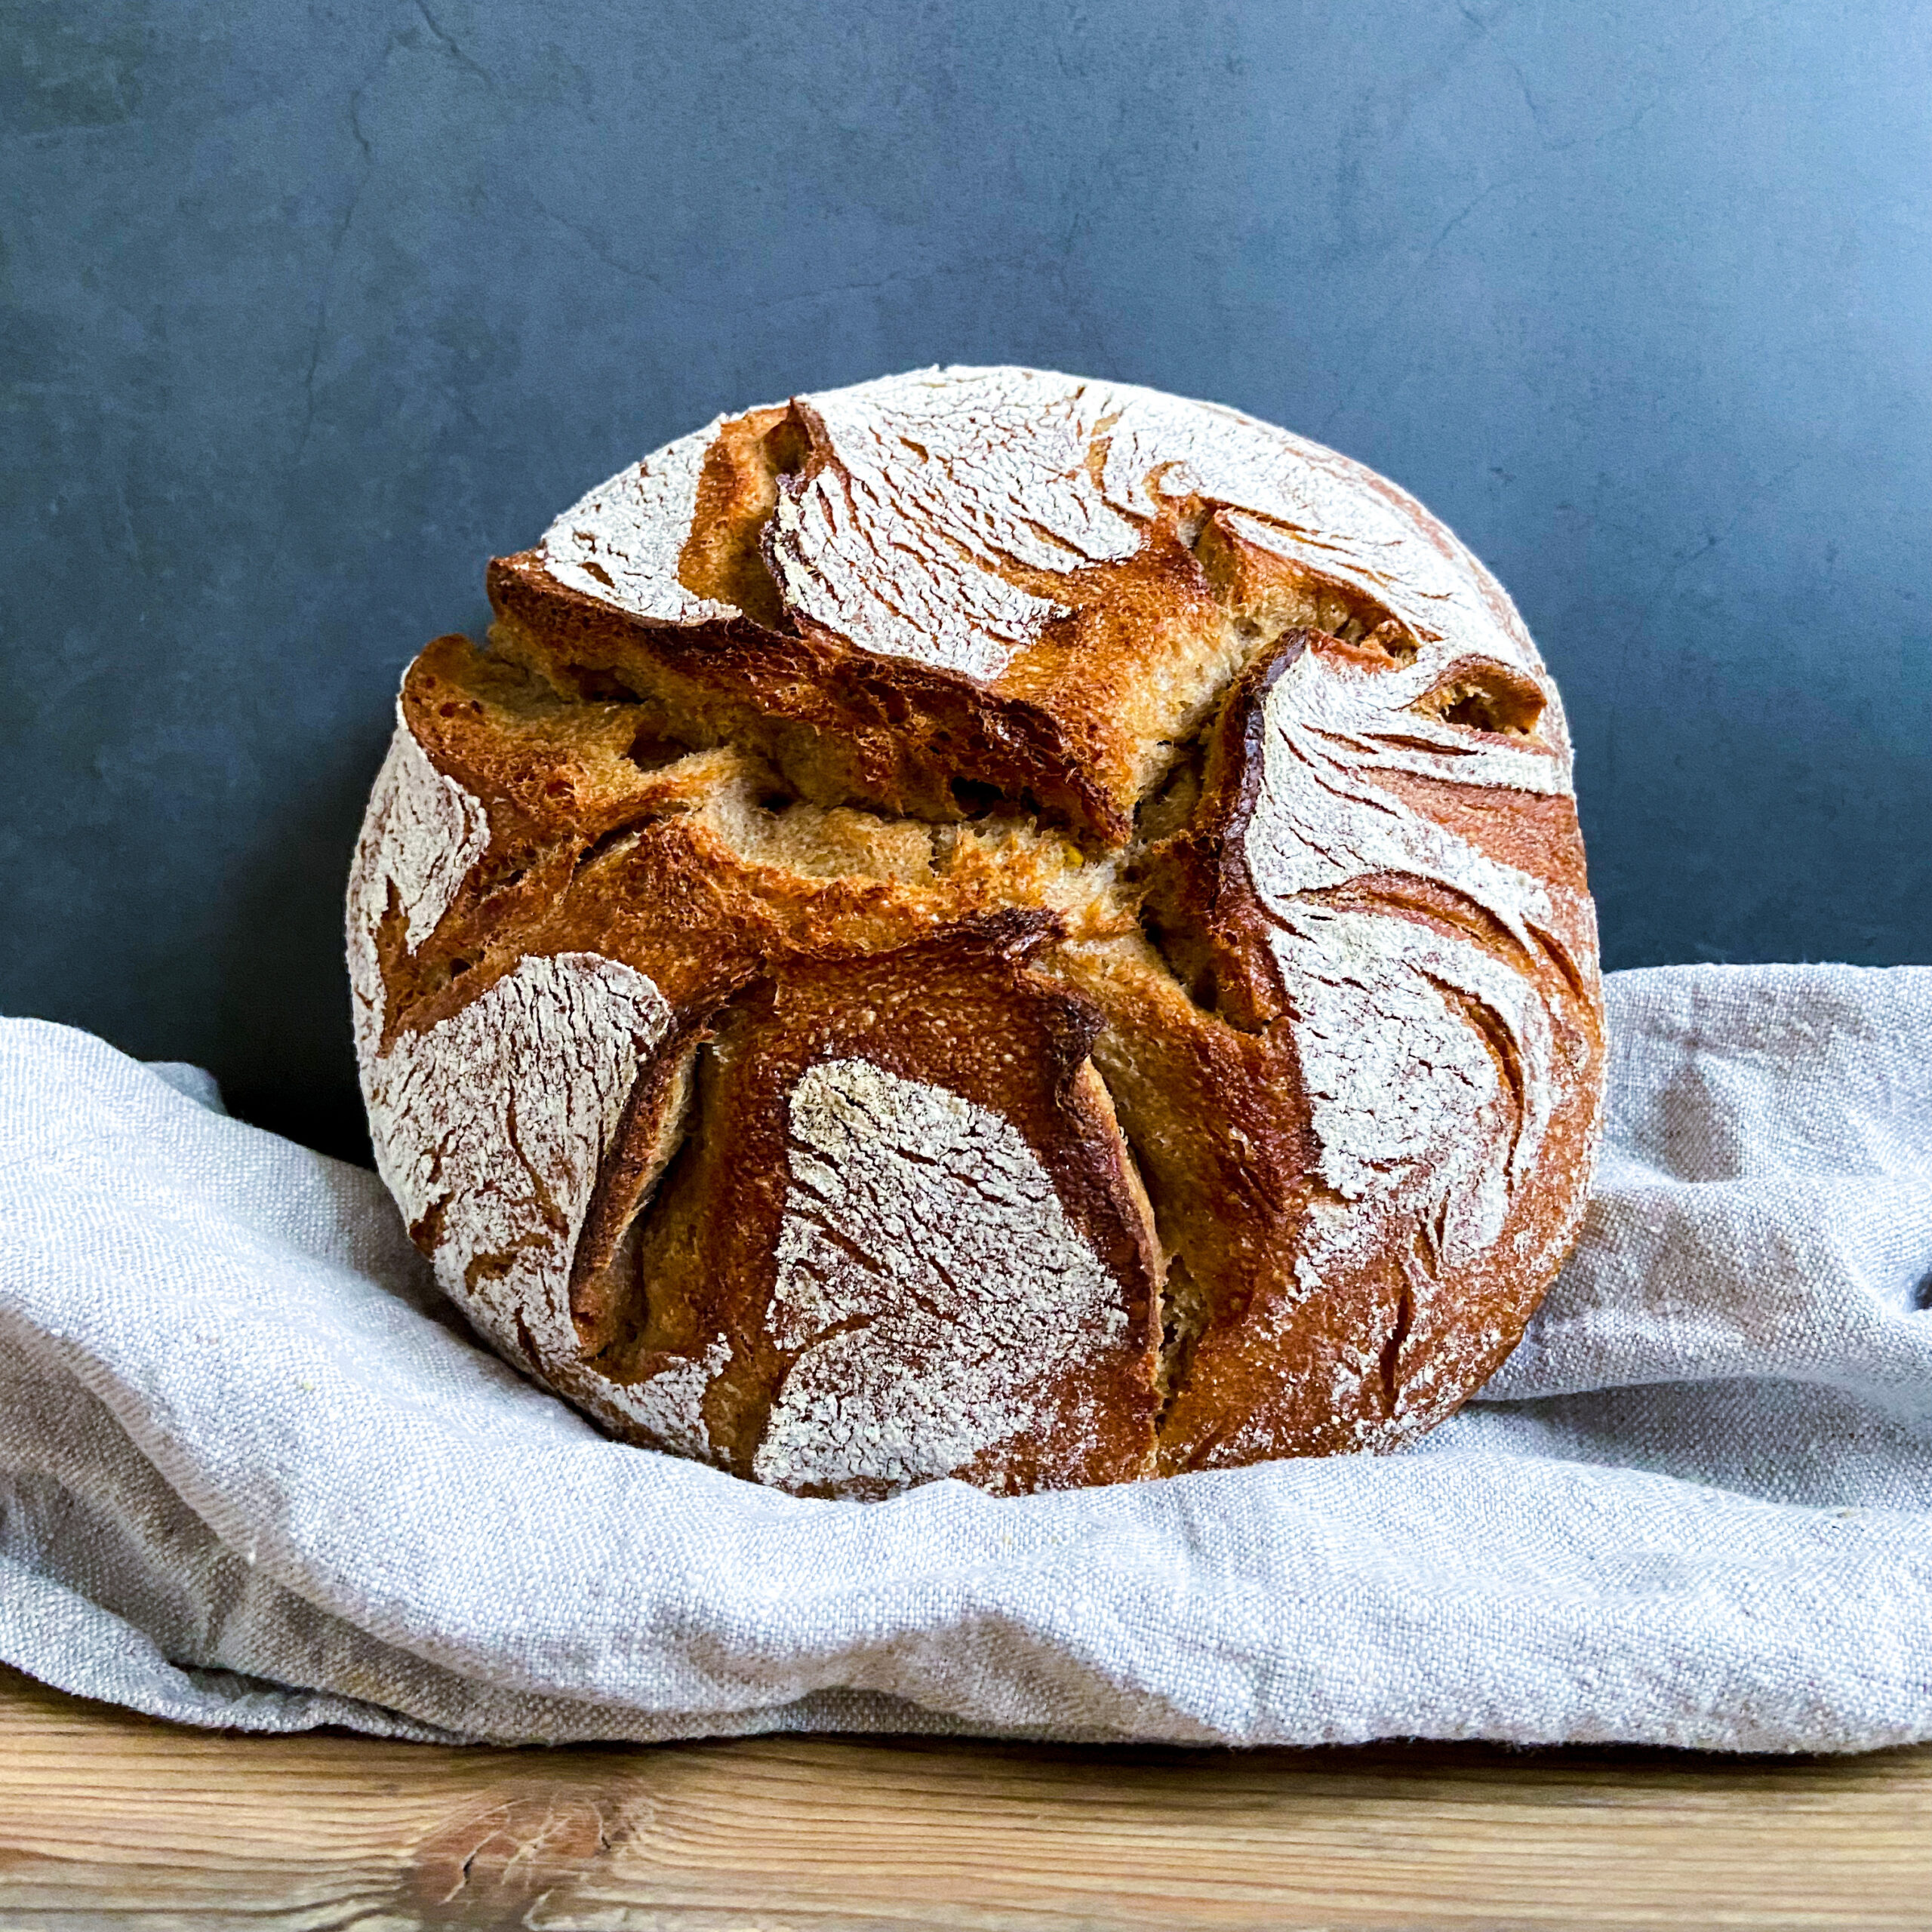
<point>110,1819</point>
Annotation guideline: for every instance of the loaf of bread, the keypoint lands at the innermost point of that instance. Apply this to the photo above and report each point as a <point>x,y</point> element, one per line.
<point>992,925</point>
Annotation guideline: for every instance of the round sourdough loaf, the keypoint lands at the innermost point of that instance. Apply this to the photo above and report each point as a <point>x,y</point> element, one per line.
<point>986,925</point>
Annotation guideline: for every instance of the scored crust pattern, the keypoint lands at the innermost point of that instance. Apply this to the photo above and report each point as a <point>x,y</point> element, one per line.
<point>925,1266</point>
<point>992,925</point>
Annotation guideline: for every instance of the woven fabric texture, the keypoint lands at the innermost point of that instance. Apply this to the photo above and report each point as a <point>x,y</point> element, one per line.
<point>253,1472</point>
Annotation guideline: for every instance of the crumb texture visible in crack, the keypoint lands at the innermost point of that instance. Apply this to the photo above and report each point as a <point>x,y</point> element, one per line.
<point>929,1276</point>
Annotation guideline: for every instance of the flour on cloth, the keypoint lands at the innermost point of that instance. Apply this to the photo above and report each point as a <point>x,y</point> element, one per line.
<point>253,1472</point>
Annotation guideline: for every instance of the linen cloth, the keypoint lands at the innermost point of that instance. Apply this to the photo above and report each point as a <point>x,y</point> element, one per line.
<point>253,1472</point>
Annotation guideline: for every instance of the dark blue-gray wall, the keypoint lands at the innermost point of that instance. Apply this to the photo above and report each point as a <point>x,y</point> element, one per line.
<point>309,309</point>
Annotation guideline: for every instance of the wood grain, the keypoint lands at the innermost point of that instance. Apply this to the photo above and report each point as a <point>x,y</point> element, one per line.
<point>110,1819</point>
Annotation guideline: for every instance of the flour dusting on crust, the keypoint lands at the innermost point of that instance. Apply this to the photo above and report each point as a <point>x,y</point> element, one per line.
<point>489,1127</point>
<point>1329,729</point>
<point>1408,1105</point>
<point>497,1120</point>
<point>667,1407</point>
<point>1313,505</point>
<point>936,482</point>
<point>929,1274</point>
<point>621,542</point>
<point>422,834</point>
<point>430,830</point>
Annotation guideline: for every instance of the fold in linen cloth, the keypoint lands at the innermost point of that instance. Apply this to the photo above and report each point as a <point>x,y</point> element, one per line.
<point>253,1472</point>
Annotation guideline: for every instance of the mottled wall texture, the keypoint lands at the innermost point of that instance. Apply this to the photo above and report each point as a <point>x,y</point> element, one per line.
<point>309,309</point>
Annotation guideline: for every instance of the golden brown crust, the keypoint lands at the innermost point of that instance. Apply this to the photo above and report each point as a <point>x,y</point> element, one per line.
<point>1134,918</point>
